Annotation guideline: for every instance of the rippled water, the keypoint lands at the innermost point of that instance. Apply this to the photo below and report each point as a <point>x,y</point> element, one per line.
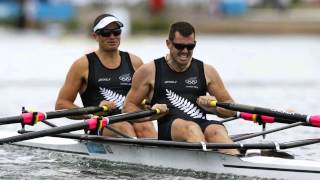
<point>269,71</point>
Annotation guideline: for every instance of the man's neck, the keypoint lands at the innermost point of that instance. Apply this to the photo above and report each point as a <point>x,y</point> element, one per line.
<point>111,59</point>
<point>175,66</point>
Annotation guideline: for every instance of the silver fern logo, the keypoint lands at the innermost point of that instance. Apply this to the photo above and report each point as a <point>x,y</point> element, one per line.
<point>110,95</point>
<point>191,81</point>
<point>184,105</point>
<point>125,77</point>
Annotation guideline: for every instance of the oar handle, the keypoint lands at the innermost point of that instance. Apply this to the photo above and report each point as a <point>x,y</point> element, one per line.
<point>32,118</point>
<point>268,115</point>
<point>133,115</point>
<point>100,122</point>
<point>255,117</point>
<point>76,111</point>
<point>315,120</point>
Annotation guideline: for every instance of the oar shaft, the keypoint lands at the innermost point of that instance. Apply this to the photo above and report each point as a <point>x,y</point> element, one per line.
<point>262,111</point>
<point>313,120</point>
<point>49,123</point>
<point>248,136</point>
<point>47,132</point>
<point>10,120</point>
<point>299,143</point>
<point>131,116</point>
<point>161,143</point>
<point>228,119</point>
<point>265,119</point>
<point>73,112</point>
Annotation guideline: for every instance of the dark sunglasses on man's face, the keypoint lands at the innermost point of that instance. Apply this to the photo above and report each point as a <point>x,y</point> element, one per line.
<point>108,32</point>
<point>182,46</point>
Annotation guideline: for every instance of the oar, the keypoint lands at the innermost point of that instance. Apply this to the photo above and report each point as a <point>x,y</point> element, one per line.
<point>33,117</point>
<point>197,145</point>
<point>248,136</point>
<point>91,124</point>
<point>228,119</point>
<point>257,118</point>
<point>273,115</point>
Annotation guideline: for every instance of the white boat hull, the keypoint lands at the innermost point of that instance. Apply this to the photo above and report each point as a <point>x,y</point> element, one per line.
<point>181,158</point>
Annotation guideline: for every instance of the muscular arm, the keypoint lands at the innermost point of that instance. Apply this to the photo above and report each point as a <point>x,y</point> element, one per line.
<point>217,89</point>
<point>142,87</point>
<point>75,83</point>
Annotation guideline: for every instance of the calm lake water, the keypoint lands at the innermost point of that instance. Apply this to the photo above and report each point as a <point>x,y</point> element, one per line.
<point>276,71</point>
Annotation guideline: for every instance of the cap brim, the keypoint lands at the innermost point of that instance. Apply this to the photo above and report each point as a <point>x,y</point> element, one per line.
<point>105,22</point>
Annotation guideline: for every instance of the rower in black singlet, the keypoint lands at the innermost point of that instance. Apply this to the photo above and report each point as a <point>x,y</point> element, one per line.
<point>180,90</point>
<point>108,84</point>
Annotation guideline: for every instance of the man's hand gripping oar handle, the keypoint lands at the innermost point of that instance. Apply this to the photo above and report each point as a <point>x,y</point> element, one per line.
<point>269,115</point>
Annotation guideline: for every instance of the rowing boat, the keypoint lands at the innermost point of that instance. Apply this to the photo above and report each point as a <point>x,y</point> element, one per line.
<point>177,155</point>
<point>198,156</point>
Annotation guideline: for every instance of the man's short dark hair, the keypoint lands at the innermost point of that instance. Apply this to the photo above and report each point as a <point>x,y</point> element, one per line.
<point>184,28</point>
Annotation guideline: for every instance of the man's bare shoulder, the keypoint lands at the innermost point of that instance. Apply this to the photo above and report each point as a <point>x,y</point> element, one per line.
<point>81,63</point>
<point>211,74</point>
<point>134,57</point>
<point>146,72</point>
<point>135,60</point>
<point>209,69</point>
<point>148,68</point>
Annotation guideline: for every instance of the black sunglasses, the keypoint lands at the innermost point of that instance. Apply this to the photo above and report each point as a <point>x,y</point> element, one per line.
<point>182,46</point>
<point>108,32</point>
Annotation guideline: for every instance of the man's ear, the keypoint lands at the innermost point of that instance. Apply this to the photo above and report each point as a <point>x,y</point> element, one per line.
<point>168,42</point>
<point>94,35</point>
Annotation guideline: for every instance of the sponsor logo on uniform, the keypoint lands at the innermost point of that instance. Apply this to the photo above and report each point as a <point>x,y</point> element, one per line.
<point>125,77</point>
<point>191,81</point>
<point>170,82</point>
<point>104,79</point>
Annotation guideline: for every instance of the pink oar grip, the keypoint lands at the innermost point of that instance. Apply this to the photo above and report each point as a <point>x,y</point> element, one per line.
<point>254,117</point>
<point>92,123</point>
<point>315,120</point>
<point>27,118</point>
<point>105,121</point>
<point>246,116</point>
<point>41,116</point>
<point>268,119</point>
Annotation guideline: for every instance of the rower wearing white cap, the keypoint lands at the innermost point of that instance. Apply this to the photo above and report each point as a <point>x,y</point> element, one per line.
<point>103,77</point>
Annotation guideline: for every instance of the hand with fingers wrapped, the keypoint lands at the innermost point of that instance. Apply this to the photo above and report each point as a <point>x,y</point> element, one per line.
<point>205,103</point>
<point>163,110</point>
<point>110,105</point>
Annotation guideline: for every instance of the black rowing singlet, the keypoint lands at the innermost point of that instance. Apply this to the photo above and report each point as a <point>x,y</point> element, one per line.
<point>107,84</point>
<point>180,90</point>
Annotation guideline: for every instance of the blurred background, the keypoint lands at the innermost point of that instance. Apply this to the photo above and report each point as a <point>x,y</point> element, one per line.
<point>154,16</point>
